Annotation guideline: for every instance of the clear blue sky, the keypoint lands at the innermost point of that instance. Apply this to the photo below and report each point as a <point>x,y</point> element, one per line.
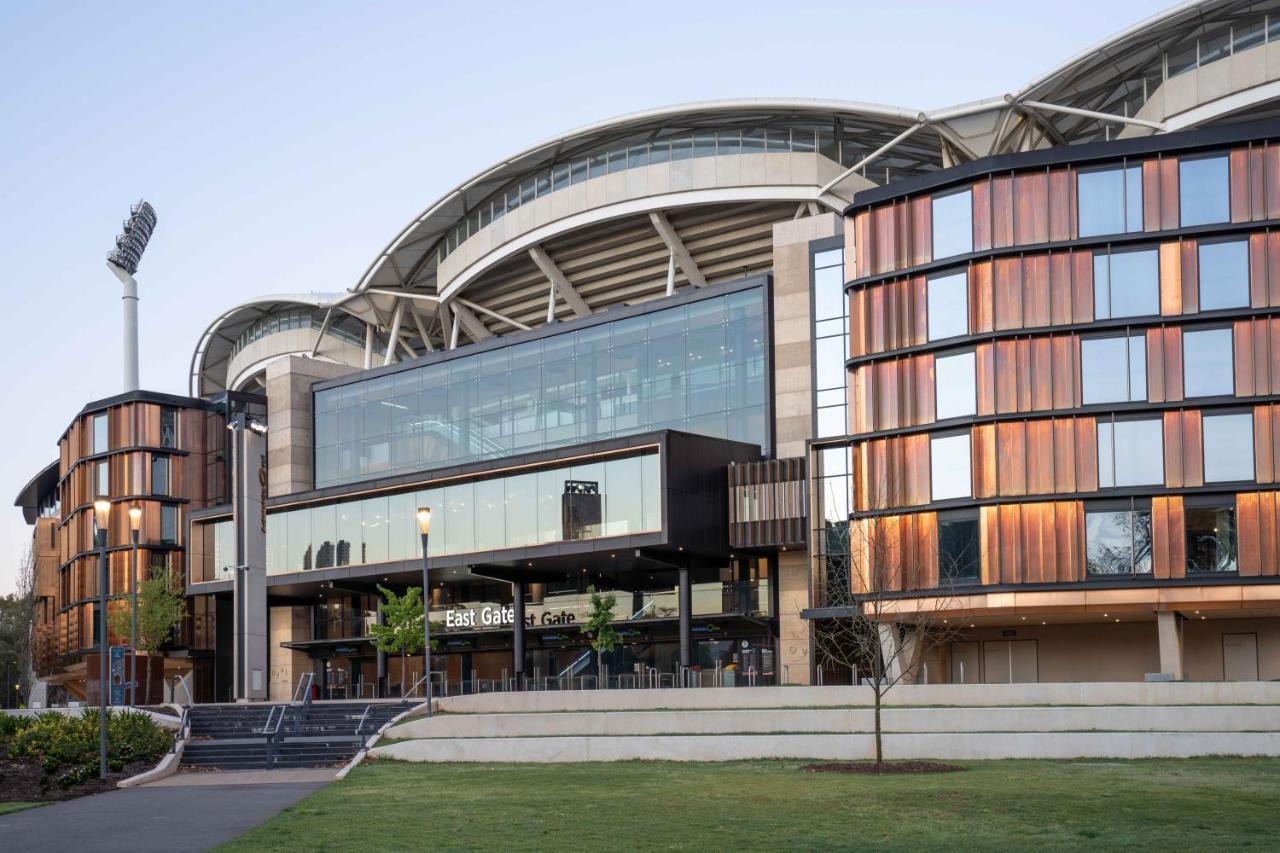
<point>284,144</point>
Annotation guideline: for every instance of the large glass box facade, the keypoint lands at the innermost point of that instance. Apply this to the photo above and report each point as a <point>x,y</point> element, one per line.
<point>611,497</point>
<point>699,367</point>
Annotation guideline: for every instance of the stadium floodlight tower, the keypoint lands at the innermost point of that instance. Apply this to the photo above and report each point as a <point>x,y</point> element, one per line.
<point>123,261</point>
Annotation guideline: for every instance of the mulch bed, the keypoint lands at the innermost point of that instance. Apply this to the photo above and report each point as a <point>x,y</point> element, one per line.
<point>887,767</point>
<point>22,782</point>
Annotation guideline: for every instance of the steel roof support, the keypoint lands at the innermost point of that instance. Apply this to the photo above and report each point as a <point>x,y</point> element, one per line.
<point>677,248</point>
<point>559,283</point>
<point>422,329</point>
<point>324,327</point>
<point>489,312</point>
<point>397,317</point>
<point>462,314</point>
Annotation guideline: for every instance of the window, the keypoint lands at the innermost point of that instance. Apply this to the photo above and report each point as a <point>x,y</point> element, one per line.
<point>954,384</point>
<point>168,525</point>
<point>949,466</point>
<point>1110,201</point>
<point>100,444</point>
<point>159,475</point>
<point>1118,540</point>
<point>1207,363</point>
<point>104,479</point>
<point>1114,369</point>
<point>831,343</point>
<point>953,224</point>
<point>1211,536</point>
<point>1203,191</point>
<point>1224,275</point>
<point>1228,447</point>
<point>948,308</point>
<point>168,427</point>
<point>1126,284</point>
<point>1130,452</point>
<point>958,547</point>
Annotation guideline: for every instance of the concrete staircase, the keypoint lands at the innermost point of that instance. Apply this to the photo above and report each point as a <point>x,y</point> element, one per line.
<point>235,737</point>
<point>956,722</point>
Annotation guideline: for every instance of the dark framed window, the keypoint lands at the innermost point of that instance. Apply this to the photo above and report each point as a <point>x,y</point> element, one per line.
<point>1110,200</point>
<point>1223,273</point>
<point>1228,447</point>
<point>103,471</point>
<point>168,427</point>
<point>950,469</point>
<point>159,475</point>
<point>1208,362</point>
<point>1113,368</point>
<point>168,525</point>
<point>959,547</point>
<point>1204,190</point>
<point>1130,452</point>
<point>1118,538</point>
<point>101,443</point>
<point>1126,284</point>
<point>952,224</point>
<point>955,385</point>
<point>948,308</point>
<point>1211,534</point>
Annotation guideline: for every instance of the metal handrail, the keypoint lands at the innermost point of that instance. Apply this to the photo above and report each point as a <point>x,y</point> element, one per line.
<point>273,736</point>
<point>184,729</point>
<point>363,718</point>
<point>302,694</point>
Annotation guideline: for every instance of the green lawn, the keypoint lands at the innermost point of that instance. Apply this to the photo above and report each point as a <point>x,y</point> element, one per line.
<point>1196,804</point>
<point>8,808</point>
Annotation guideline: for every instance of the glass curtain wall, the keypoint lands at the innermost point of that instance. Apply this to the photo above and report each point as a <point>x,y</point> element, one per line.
<point>830,335</point>
<point>698,367</point>
<point>613,497</point>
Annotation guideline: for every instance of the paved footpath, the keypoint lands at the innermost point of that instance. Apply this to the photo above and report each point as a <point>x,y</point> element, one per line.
<point>186,812</point>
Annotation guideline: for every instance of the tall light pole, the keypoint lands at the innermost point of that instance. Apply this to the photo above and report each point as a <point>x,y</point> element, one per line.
<point>135,527</point>
<point>101,513</point>
<point>123,261</point>
<point>424,528</point>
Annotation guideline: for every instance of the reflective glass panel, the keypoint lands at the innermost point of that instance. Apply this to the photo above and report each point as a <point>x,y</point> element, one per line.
<point>1228,447</point>
<point>954,379</point>
<point>1211,538</point>
<point>952,224</point>
<point>948,308</point>
<point>1203,191</point>
<point>1224,275</point>
<point>1114,369</point>
<point>1130,453</point>
<point>1208,363</point>
<point>950,466</point>
<point>1118,542</point>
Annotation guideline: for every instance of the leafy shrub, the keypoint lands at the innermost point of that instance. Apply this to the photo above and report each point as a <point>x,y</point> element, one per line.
<point>66,747</point>
<point>10,725</point>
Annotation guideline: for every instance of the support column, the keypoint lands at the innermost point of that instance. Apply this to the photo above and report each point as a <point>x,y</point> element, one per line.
<point>685,598</point>
<point>382,658</point>
<point>517,630</point>
<point>1169,624</point>
<point>889,653</point>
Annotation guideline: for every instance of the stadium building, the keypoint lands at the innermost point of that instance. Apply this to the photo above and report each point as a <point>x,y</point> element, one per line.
<point>1010,362</point>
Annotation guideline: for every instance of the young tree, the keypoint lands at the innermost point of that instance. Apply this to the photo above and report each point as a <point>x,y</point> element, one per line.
<point>160,610</point>
<point>868,627</point>
<point>401,630</point>
<point>599,626</point>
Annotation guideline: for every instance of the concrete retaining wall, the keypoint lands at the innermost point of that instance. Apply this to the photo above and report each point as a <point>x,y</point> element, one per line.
<point>982,695</point>
<point>1195,718</point>
<point>824,747</point>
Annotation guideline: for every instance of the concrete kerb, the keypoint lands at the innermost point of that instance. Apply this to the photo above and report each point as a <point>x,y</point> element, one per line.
<point>376,736</point>
<point>163,720</point>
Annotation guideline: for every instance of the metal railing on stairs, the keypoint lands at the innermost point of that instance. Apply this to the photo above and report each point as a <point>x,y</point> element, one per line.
<point>272,730</point>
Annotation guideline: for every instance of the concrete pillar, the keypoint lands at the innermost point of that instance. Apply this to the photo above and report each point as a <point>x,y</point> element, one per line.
<point>517,630</point>
<point>291,445</point>
<point>685,598</point>
<point>382,658</point>
<point>1169,624</point>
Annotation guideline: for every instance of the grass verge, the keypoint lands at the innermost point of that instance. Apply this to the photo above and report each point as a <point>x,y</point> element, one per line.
<point>1190,804</point>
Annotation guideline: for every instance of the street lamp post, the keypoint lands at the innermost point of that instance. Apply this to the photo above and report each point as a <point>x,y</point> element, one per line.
<point>101,512</point>
<point>135,528</point>
<point>424,528</point>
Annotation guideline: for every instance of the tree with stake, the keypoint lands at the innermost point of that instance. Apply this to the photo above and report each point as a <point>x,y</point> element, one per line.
<point>160,609</point>
<point>402,629</point>
<point>865,626</point>
<point>599,626</point>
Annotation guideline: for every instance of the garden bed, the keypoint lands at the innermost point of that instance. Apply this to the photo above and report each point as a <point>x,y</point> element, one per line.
<point>55,756</point>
